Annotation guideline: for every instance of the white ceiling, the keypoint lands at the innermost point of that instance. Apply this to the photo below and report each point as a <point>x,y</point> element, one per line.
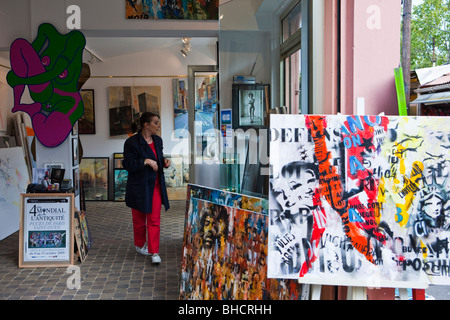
<point>106,47</point>
<point>110,47</point>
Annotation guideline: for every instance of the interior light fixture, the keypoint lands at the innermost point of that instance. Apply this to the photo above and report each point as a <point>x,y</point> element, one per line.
<point>184,52</point>
<point>186,46</point>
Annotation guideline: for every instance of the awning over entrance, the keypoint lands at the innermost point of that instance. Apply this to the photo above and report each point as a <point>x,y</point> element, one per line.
<point>440,97</point>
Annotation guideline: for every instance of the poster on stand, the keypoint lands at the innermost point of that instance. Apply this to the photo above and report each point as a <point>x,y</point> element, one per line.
<point>46,237</point>
<point>360,200</point>
<point>225,249</point>
<point>226,128</point>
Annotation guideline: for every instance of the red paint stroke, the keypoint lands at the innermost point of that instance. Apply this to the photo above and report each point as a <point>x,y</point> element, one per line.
<point>319,224</point>
<point>359,233</point>
<point>363,144</point>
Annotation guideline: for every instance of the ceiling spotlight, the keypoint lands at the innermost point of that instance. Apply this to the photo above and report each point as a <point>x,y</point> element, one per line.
<point>186,47</point>
<point>184,52</point>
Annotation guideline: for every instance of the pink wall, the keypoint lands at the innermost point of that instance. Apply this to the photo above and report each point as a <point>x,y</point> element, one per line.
<point>370,53</point>
<point>330,57</point>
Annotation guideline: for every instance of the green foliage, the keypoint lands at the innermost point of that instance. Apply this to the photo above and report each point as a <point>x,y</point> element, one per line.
<point>430,22</point>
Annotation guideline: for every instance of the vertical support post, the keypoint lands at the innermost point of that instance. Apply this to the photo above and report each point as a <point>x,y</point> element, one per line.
<point>357,293</point>
<point>418,294</point>
<point>316,291</point>
<point>406,49</point>
<point>403,293</point>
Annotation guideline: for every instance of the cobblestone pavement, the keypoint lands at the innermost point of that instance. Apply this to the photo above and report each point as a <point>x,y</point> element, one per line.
<point>112,269</point>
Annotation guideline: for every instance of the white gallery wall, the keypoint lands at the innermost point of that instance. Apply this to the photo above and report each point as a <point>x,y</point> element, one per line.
<point>104,21</point>
<point>151,68</point>
<point>144,53</point>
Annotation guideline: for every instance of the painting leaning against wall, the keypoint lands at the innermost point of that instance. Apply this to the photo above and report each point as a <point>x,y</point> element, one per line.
<point>225,249</point>
<point>360,200</point>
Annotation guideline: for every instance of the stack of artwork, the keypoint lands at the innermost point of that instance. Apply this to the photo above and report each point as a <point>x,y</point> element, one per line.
<point>225,249</point>
<point>120,176</point>
<point>360,200</point>
<point>83,237</point>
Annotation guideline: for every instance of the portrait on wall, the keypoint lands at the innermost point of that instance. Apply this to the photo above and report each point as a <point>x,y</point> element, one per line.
<point>250,105</point>
<point>359,200</point>
<point>126,104</point>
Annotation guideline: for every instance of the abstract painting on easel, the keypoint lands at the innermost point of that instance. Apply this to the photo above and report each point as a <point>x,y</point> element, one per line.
<point>360,200</point>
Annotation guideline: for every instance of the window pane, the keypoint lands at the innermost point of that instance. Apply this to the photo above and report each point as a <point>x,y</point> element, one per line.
<point>206,115</point>
<point>287,83</point>
<point>292,22</point>
<point>292,78</point>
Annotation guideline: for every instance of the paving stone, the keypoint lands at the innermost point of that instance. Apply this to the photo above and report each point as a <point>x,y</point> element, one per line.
<point>112,269</point>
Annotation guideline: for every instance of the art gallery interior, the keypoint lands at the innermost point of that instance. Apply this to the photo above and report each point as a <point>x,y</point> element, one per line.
<point>294,57</point>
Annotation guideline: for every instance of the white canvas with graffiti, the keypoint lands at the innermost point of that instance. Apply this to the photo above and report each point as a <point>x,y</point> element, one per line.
<point>360,200</point>
<point>14,180</point>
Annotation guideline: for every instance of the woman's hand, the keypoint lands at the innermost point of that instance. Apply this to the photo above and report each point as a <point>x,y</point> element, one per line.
<point>166,163</point>
<point>152,163</point>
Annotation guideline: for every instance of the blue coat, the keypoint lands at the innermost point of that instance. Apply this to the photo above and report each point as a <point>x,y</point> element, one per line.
<point>141,179</point>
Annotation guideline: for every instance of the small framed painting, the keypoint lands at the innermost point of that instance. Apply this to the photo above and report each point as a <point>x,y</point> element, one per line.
<point>250,105</point>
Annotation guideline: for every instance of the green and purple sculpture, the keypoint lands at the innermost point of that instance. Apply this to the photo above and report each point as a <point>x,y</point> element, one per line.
<point>50,66</point>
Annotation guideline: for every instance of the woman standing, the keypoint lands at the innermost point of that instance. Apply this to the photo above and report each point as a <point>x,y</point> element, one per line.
<point>146,187</point>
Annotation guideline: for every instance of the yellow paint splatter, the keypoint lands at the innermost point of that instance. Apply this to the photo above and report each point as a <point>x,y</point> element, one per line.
<point>408,191</point>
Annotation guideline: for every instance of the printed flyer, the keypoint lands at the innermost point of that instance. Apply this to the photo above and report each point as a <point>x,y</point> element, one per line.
<point>47,229</point>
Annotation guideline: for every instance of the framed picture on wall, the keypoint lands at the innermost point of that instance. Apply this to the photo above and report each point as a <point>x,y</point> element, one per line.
<point>120,184</point>
<point>250,105</point>
<point>127,103</point>
<point>94,173</point>
<point>76,181</point>
<point>86,124</point>
<point>118,157</point>
<point>75,157</point>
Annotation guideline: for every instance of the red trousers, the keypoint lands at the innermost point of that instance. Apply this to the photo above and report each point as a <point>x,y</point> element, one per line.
<point>146,226</point>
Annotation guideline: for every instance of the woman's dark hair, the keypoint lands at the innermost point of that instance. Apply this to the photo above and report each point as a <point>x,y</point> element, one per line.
<point>145,117</point>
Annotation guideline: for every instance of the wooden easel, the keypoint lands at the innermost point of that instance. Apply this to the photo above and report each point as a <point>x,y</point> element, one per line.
<point>417,294</point>
<point>313,292</point>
